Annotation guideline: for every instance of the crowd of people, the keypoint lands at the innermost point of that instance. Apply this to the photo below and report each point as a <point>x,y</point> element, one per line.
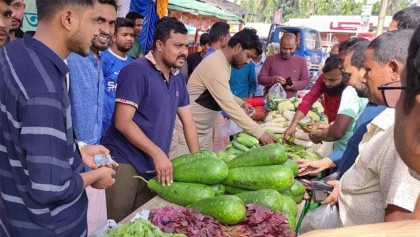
<point>82,86</point>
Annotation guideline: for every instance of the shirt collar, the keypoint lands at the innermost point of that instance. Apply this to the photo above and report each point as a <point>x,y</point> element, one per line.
<point>149,56</point>
<point>47,52</point>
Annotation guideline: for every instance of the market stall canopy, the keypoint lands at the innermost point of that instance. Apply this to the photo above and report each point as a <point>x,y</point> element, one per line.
<point>202,8</point>
<point>229,7</point>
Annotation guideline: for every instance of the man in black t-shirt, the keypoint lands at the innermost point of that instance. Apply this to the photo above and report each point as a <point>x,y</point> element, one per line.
<point>195,58</point>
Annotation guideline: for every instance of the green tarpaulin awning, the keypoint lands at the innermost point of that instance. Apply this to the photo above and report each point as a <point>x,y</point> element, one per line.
<point>201,8</point>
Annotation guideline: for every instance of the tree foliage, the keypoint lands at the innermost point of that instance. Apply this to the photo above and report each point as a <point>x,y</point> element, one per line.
<point>263,10</point>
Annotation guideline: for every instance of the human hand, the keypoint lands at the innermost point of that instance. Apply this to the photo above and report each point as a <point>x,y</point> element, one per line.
<point>163,168</point>
<point>106,178</point>
<point>313,166</point>
<point>289,87</point>
<point>281,80</point>
<point>333,197</point>
<point>267,138</point>
<point>289,132</point>
<point>248,108</point>
<point>88,153</point>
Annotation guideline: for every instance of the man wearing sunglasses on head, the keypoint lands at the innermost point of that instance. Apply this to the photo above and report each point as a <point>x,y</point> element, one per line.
<point>378,188</point>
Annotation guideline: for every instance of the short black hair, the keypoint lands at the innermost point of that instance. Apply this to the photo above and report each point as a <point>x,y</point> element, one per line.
<point>123,22</point>
<point>134,16</point>
<point>248,39</point>
<point>47,8</point>
<point>391,45</point>
<point>413,71</point>
<point>8,2</point>
<point>408,18</point>
<point>164,28</point>
<point>218,30</point>
<point>204,39</point>
<point>331,63</point>
<point>110,2</point>
<point>358,51</point>
<point>345,45</point>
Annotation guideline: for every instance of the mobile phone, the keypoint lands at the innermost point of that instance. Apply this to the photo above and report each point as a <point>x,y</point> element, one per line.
<point>321,190</point>
<point>289,81</point>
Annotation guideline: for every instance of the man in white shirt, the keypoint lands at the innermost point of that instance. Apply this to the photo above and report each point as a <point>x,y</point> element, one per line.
<point>378,187</point>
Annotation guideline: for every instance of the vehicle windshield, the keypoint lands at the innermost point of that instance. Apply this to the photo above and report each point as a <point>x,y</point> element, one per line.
<point>312,39</point>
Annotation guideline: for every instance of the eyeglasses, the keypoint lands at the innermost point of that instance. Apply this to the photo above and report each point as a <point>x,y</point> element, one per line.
<point>391,92</point>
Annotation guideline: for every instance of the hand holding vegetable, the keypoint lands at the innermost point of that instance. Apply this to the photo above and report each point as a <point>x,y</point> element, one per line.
<point>314,166</point>
<point>267,138</point>
<point>163,167</point>
<point>289,132</point>
<point>333,197</point>
<point>89,151</point>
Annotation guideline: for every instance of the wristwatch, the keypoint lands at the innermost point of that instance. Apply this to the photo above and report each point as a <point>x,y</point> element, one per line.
<point>81,144</point>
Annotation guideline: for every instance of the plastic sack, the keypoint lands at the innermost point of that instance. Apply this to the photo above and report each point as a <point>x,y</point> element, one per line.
<point>322,217</point>
<point>277,90</point>
<point>230,128</point>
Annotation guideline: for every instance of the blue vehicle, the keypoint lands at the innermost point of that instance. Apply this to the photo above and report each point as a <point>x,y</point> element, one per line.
<point>308,46</point>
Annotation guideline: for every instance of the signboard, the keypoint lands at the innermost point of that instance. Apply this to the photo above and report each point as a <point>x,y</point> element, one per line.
<point>30,17</point>
<point>365,18</point>
<point>277,17</point>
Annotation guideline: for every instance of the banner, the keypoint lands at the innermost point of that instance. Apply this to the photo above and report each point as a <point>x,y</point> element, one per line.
<point>30,17</point>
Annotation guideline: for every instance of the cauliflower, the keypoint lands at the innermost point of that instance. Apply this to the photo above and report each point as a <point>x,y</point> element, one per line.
<point>318,106</point>
<point>285,105</point>
<point>296,101</point>
<point>314,116</point>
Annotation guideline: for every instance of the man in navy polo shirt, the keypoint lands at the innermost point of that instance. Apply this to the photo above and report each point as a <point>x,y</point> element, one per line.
<point>151,91</point>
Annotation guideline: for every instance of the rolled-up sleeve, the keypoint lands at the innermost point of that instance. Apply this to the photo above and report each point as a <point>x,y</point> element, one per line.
<point>50,163</point>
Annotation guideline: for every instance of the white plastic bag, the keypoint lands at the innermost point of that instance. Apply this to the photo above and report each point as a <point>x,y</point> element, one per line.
<point>277,90</point>
<point>323,217</point>
<point>230,128</point>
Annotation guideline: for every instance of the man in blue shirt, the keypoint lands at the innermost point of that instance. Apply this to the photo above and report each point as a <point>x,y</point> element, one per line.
<point>258,63</point>
<point>86,96</point>
<point>42,181</point>
<point>113,60</point>
<point>219,37</point>
<point>243,81</point>
<point>151,92</point>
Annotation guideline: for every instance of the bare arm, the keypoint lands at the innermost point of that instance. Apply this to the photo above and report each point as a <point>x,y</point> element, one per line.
<point>334,132</point>
<point>190,130</point>
<point>396,213</point>
<point>124,123</point>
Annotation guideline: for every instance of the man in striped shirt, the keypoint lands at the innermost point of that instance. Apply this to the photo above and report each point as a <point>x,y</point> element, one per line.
<point>41,174</point>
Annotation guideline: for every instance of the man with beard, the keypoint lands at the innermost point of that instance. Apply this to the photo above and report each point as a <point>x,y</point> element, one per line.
<point>5,20</point>
<point>113,60</point>
<point>210,92</point>
<point>379,184</point>
<point>330,85</point>
<point>42,182</point>
<point>285,64</point>
<point>18,6</point>
<point>344,158</point>
<point>151,92</point>
<point>87,98</point>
